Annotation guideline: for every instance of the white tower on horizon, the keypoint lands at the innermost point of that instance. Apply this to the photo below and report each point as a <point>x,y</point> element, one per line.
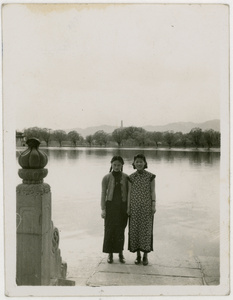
<point>121,124</point>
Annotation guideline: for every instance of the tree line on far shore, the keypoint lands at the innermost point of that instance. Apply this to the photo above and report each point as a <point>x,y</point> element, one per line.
<point>127,137</point>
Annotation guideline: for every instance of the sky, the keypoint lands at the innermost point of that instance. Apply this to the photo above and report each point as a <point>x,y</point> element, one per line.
<point>67,66</point>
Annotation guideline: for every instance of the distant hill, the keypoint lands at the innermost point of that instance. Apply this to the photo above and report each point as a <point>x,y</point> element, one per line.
<point>183,127</point>
<point>91,130</point>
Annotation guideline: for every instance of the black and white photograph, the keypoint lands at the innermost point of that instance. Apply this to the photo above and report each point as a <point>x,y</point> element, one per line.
<point>116,149</point>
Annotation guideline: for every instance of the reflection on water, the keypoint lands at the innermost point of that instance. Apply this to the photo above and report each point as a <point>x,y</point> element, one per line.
<point>187,188</point>
<point>72,154</point>
<point>194,157</point>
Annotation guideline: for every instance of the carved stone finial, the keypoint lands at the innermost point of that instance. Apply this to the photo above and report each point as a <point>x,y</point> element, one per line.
<point>33,161</point>
<point>33,158</point>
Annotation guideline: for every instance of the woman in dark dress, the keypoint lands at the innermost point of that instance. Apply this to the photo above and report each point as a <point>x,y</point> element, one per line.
<point>114,209</point>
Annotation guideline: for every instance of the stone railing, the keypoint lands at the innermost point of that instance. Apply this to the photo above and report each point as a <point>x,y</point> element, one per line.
<point>38,259</point>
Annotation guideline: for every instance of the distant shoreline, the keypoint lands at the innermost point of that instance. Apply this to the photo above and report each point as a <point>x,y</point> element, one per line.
<point>217,150</point>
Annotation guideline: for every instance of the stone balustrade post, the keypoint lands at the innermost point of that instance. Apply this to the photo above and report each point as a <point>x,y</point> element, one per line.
<point>38,259</point>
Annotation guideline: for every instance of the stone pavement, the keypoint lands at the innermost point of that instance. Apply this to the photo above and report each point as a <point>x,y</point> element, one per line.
<point>199,270</point>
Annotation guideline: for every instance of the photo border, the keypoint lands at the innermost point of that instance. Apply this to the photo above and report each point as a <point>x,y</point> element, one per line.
<point>8,219</point>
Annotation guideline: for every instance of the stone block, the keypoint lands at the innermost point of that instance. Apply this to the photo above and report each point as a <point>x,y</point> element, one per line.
<point>131,274</point>
<point>118,279</point>
<point>33,209</point>
<point>150,270</point>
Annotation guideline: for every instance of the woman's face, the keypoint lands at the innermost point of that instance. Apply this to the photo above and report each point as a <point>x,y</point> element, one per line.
<point>116,166</point>
<point>139,164</point>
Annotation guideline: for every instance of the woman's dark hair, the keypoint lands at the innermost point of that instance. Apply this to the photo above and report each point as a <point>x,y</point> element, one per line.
<point>119,158</point>
<point>141,156</point>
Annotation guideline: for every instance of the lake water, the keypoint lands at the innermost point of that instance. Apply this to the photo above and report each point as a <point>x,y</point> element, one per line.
<point>187,189</point>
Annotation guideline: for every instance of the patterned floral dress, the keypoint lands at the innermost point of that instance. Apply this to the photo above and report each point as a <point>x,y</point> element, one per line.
<point>141,216</point>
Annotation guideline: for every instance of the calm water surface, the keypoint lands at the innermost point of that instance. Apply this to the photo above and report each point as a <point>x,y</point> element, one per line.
<point>187,189</point>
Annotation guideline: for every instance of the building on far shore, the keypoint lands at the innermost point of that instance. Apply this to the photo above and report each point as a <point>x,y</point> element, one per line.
<point>20,139</point>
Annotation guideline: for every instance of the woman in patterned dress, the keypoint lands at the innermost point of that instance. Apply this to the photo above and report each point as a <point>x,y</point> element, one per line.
<point>141,209</point>
<point>114,209</point>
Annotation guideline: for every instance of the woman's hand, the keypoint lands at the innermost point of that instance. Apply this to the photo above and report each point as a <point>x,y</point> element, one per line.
<point>153,208</point>
<point>103,214</point>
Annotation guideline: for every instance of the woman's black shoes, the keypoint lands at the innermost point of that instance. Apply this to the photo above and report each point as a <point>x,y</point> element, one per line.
<point>121,258</point>
<point>110,258</point>
<point>137,260</point>
<point>145,261</point>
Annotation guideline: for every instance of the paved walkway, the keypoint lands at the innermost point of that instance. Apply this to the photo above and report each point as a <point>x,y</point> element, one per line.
<point>160,271</point>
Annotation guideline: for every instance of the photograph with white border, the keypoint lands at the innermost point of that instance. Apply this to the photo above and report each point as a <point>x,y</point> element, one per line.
<point>86,82</point>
